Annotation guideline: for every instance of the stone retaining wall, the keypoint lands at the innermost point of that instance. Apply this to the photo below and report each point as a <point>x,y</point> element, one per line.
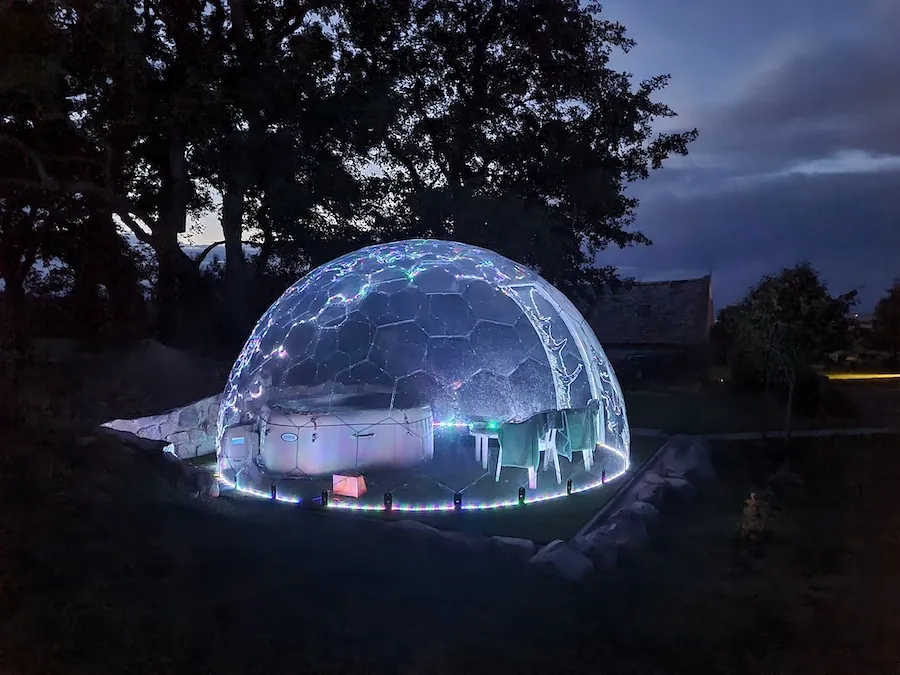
<point>191,429</point>
<point>681,469</point>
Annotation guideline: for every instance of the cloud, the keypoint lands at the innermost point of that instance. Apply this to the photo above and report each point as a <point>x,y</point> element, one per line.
<point>803,162</point>
<point>844,224</point>
<point>813,103</point>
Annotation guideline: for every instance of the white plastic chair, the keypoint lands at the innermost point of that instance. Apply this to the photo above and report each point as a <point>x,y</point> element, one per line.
<point>587,454</point>
<point>532,474</point>
<point>547,445</point>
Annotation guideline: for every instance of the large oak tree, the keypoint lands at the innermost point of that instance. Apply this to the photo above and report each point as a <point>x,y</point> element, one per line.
<point>324,125</point>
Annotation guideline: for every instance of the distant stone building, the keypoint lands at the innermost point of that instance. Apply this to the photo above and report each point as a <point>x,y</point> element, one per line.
<point>656,330</point>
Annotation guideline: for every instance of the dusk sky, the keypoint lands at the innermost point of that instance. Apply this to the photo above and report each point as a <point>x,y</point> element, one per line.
<point>798,109</point>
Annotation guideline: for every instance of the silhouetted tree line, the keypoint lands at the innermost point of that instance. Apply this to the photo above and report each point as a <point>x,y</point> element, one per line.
<point>311,128</point>
<point>886,324</point>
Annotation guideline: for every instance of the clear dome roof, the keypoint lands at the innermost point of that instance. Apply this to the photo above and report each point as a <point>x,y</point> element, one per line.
<point>460,329</point>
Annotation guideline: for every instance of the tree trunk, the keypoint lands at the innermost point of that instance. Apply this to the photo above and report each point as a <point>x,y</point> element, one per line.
<point>264,225</point>
<point>236,297</point>
<point>124,308</point>
<point>18,253</point>
<point>789,410</point>
<point>14,299</point>
<point>85,299</point>
<point>177,277</point>
<point>765,405</point>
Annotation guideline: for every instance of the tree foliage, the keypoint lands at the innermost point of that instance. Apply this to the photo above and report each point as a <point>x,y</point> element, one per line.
<point>313,127</point>
<point>886,321</point>
<point>511,131</point>
<point>785,325</point>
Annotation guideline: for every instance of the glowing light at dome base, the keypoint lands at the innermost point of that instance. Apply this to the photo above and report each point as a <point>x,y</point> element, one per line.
<point>334,502</point>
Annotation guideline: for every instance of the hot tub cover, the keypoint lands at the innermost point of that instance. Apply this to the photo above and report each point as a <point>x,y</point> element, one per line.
<point>425,322</point>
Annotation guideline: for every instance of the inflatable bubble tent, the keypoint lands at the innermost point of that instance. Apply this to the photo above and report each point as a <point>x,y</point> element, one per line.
<point>421,374</point>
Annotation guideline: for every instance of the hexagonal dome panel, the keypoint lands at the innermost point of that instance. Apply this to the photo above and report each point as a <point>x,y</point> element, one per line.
<point>414,330</point>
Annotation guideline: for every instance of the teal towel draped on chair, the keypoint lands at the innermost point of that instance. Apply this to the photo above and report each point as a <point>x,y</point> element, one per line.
<point>519,441</point>
<point>581,428</point>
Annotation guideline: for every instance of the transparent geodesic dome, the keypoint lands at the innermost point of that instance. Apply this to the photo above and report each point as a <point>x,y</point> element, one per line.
<point>444,334</point>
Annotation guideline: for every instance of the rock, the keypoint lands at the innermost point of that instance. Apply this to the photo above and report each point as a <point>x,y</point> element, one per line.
<point>599,546</point>
<point>688,458</point>
<point>645,511</point>
<point>202,484</point>
<point>167,429</point>
<point>189,418</point>
<point>651,493</point>
<point>471,541</point>
<point>562,560</point>
<point>514,547</point>
<point>630,532</point>
<point>681,488</point>
<point>651,477</point>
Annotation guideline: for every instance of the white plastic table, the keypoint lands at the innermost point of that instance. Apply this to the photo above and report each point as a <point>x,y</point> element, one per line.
<point>482,439</point>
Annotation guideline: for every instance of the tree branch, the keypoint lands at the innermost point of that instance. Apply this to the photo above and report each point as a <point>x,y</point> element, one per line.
<point>119,205</point>
<point>33,157</point>
<point>296,17</point>
<point>405,162</point>
<point>206,251</point>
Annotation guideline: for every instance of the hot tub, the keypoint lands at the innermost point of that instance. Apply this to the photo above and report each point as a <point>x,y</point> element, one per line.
<point>346,441</point>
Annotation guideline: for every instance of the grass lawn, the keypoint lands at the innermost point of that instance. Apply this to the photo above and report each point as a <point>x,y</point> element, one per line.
<point>555,519</point>
<point>817,593</point>
<point>542,522</point>
<point>106,566</point>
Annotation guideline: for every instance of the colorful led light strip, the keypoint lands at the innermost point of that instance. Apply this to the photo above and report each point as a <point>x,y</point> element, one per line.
<point>440,507</point>
<point>251,492</point>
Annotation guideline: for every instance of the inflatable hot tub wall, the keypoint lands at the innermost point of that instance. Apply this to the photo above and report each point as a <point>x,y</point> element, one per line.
<point>401,328</point>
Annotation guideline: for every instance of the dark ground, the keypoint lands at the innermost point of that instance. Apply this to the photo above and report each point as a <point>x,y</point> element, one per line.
<point>103,570</point>
<point>107,566</point>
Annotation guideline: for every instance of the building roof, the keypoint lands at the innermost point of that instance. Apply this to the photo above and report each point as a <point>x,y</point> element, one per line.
<point>654,313</point>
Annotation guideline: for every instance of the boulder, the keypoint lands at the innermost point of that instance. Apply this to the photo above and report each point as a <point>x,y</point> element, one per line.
<point>520,550</point>
<point>645,511</point>
<point>562,560</point>
<point>191,429</point>
<point>688,458</point>
<point>651,492</point>
<point>200,483</point>
<point>681,488</point>
<point>652,477</point>
<point>628,530</point>
<point>599,546</point>
<point>473,542</point>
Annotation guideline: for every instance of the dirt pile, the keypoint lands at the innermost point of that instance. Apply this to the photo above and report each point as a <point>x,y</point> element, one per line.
<point>105,468</point>
<point>150,378</point>
<point>64,385</point>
